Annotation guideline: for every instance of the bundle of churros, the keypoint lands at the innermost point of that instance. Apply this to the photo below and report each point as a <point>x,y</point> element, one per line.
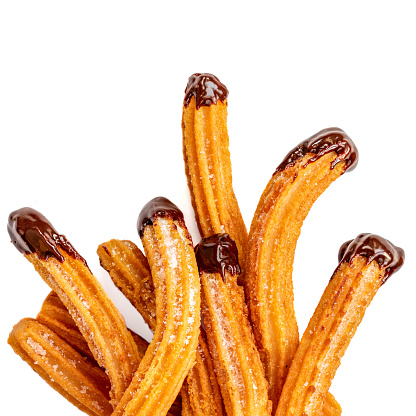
<point>225,335</point>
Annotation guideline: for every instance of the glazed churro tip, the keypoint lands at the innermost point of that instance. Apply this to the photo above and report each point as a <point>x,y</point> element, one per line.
<point>206,88</point>
<point>32,233</point>
<point>375,248</point>
<point>216,254</point>
<point>321,143</point>
<point>158,207</point>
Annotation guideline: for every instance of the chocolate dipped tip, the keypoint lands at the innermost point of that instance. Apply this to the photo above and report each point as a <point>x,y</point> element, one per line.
<point>328,140</point>
<point>216,254</point>
<point>158,207</point>
<point>32,233</point>
<point>375,248</point>
<point>207,90</point>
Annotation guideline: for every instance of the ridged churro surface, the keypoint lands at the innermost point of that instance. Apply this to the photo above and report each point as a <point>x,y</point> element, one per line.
<point>86,386</point>
<point>207,159</point>
<point>67,273</point>
<point>298,181</point>
<point>236,359</point>
<point>333,324</point>
<point>169,251</point>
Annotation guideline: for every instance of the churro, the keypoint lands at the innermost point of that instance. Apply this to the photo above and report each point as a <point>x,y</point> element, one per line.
<point>365,264</point>
<point>129,270</point>
<point>67,273</point>
<point>236,359</point>
<point>56,317</point>
<point>298,181</point>
<point>86,386</point>
<point>169,251</point>
<point>207,159</point>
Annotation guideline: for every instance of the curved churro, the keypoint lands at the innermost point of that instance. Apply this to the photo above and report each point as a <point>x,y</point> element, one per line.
<point>298,181</point>
<point>236,359</point>
<point>169,251</point>
<point>365,264</point>
<point>129,270</point>
<point>207,159</point>
<point>86,386</point>
<point>67,273</point>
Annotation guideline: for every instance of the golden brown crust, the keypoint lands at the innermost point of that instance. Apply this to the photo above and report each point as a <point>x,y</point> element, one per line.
<point>208,169</point>
<point>56,317</point>
<point>86,386</point>
<point>175,276</point>
<point>236,359</point>
<point>129,270</point>
<point>274,231</point>
<point>95,315</point>
<point>327,336</point>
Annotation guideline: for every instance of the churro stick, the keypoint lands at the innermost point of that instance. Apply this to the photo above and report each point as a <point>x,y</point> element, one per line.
<point>365,264</point>
<point>207,159</point>
<point>67,273</point>
<point>56,317</point>
<point>86,386</point>
<point>236,359</point>
<point>129,270</point>
<point>299,180</point>
<point>171,354</point>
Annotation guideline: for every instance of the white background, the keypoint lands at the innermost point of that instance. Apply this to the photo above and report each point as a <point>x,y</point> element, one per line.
<point>91,99</point>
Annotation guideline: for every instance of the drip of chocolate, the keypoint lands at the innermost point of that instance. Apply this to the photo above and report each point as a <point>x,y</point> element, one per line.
<point>206,88</point>
<point>32,233</point>
<point>387,255</point>
<point>158,207</point>
<point>326,141</point>
<point>216,254</point>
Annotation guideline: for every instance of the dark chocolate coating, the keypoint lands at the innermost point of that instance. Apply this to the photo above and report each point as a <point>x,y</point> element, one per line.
<point>158,207</point>
<point>387,255</point>
<point>216,254</point>
<point>32,233</point>
<point>206,88</point>
<point>323,142</point>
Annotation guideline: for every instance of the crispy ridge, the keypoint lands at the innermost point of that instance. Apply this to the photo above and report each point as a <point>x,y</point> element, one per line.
<point>274,231</point>
<point>208,170</point>
<point>175,276</point>
<point>129,270</point>
<point>63,368</point>
<point>330,330</point>
<point>236,359</point>
<point>54,315</point>
<point>96,317</point>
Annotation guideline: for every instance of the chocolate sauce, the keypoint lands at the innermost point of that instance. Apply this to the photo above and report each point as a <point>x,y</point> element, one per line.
<point>158,207</point>
<point>206,88</point>
<point>216,254</point>
<point>326,141</point>
<point>32,233</point>
<point>387,255</point>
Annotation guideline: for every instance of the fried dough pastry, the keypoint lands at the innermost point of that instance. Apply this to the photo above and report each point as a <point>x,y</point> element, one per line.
<point>67,273</point>
<point>86,386</point>
<point>230,339</point>
<point>56,317</point>
<point>365,264</point>
<point>171,354</point>
<point>130,272</point>
<point>298,181</point>
<point>207,159</point>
